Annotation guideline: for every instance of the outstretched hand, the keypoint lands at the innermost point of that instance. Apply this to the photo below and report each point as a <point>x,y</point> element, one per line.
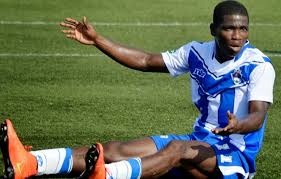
<point>83,32</point>
<point>231,126</point>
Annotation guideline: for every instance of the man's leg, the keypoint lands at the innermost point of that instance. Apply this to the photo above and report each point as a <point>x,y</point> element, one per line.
<point>20,163</point>
<point>72,162</point>
<point>113,151</point>
<point>122,156</point>
<point>194,158</point>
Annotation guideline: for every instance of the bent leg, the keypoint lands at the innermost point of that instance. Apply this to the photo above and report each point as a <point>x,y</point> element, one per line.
<point>196,159</point>
<point>115,151</point>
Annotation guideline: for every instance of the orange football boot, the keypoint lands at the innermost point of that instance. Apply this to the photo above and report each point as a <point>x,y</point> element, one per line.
<point>95,167</point>
<point>19,163</point>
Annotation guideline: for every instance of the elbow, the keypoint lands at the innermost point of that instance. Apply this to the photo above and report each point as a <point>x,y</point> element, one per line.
<point>145,64</point>
<point>260,124</point>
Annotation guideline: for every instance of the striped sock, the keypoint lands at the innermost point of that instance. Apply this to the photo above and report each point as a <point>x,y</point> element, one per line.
<point>126,169</point>
<point>54,161</point>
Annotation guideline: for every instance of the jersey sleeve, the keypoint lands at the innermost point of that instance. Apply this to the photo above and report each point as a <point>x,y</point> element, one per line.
<point>177,60</point>
<point>261,83</point>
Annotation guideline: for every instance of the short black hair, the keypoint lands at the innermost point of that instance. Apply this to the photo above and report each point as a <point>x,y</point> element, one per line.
<point>228,7</point>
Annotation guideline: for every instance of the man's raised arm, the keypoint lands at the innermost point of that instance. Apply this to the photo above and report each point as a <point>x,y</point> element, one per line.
<point>85,33</point>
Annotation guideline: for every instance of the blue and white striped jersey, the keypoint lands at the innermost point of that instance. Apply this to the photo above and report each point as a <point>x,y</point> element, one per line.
<point>221,87</point>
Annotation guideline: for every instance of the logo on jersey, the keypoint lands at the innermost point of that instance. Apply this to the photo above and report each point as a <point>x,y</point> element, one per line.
<point>199,72</point>
<point>222,147</point>
<point>226,159</point>
<point>237,76</point>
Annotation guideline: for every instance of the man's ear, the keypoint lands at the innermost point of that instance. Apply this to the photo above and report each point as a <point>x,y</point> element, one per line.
<point>212,29</point>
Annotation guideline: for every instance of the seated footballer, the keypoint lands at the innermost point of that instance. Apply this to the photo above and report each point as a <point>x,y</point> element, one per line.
<point>231,85</point>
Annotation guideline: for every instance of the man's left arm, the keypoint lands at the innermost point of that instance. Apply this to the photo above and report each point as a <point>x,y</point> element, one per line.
<point>260,96</point>
<point>252,122</point>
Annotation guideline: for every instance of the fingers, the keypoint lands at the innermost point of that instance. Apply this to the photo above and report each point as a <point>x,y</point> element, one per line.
<point>85,22</point>
<point>221,131</point>
<point>230,128</point>
<point>71,36</point>
<point>230,115</point>
<point>217,130</point>
<point>67,25</point>
<point>69,33</point>
<point>70,23</point>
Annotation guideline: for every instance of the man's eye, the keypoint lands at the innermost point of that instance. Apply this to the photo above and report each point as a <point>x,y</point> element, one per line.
<point>244,29</point>
<point>227,28</point>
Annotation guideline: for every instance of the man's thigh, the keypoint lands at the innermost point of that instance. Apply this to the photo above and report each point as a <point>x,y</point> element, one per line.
<point>117,150</point>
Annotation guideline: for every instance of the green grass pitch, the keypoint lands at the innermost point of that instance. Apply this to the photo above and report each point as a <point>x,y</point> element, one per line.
<point>59,93</point>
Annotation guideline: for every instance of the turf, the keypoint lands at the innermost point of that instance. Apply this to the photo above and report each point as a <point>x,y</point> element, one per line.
<point>58,101</point>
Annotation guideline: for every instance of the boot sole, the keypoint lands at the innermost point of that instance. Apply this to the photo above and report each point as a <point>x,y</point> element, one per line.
<point>4,145</point>
<point>90,159</point>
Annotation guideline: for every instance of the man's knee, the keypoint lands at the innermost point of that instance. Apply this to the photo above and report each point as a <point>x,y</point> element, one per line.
<point>192,151</point>
<point>113,151</point>
<point>195,158</point>
<point>176,150</point>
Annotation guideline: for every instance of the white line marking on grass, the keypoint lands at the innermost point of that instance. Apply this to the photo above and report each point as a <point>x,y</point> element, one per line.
<point>108,23</point>
<point>274,54</point>
<point>48,55</point>
<point>136,24</point>
<point>77,55</point>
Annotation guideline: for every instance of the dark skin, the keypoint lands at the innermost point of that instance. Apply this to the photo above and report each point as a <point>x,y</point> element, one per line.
<point>230,36</point>
<point>196,159</point>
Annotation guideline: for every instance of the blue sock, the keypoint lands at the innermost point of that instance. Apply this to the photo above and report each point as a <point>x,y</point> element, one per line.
<point>136,167</point>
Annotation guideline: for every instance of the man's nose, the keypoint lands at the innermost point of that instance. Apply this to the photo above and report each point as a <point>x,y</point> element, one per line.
<point>236,34</point>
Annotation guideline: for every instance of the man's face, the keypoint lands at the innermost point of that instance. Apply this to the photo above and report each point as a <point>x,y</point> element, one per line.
<point>231,35</point>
